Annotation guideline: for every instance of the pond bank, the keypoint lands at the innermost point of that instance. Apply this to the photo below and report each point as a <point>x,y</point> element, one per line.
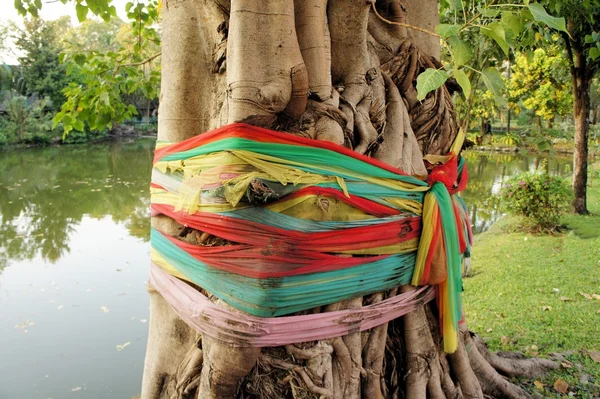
<point>541,294</point>
<point>116,134</point>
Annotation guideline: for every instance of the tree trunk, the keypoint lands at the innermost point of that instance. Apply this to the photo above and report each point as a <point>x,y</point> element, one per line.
<point>581,112</point>
<point>327,70</point>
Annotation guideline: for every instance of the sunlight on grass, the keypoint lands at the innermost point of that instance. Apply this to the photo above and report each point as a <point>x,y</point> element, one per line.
<point>527,292</point>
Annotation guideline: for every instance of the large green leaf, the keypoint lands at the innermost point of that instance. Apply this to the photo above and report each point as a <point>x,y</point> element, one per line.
<point>494,83</point>
<point>430,80</point>
<point>512,21</point>
<point>447,30</point>
<point>461,51</point>
<point>81,12</point>
<point>464,82</point>
<point>495,31</point>
<point>456,5</point>
<point>539,14</point>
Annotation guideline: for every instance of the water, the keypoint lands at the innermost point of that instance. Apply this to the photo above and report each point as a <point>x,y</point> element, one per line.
<point>73,265</point>
<point>488,171</point>
<point>74,256</point>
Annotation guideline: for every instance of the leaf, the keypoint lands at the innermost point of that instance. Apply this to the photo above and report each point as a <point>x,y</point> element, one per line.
<point>123,346</point>
<point>496,31</point>
<point>539,385</point>
<point>595,356</point>
<point>446,30</point>
<point>493,81</point>
<point>79,59</point>
<point>456,5</point>
<point>586,296</point>
<point>546,307</point>
<point>595,296</point>
<point>461,51</point>
<point>564,298</point>
<point>430,80</point>
<point>464,82</point>
<point>561,386</point>
<point>81,12</point>
<point>594,53</point>
<point>78,125</point>
<point>512,21</point>
<point>539,14</point>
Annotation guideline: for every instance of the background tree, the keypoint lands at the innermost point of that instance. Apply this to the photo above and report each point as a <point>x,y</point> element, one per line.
<point>581,41</point>
<point>542,84</point>
<point>39,43</point>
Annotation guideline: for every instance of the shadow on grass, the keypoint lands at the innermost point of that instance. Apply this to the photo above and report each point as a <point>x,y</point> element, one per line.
<point>584,227</point>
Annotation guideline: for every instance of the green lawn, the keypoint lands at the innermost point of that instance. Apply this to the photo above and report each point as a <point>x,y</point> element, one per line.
<point>526,295</point>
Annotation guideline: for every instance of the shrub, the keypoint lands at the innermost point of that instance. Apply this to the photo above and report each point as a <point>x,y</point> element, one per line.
<point>538,196</point>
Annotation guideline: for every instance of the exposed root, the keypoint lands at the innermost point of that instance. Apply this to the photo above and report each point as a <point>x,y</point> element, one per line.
<point>492,383</point>
<point>188,372</point>
<point>513,364</point>
<point>224,367</point>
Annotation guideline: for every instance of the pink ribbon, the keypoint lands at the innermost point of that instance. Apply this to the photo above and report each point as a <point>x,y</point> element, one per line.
<point>240,329</point>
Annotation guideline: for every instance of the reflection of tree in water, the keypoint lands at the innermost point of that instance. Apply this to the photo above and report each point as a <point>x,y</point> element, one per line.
<point>45,192</point>
<point>486,174</point>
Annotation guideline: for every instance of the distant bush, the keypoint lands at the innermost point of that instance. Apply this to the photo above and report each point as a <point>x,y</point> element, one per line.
<point>538,196</point>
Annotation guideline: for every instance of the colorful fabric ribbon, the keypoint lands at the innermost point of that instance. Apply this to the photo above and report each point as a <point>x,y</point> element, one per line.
<point>306,223</point>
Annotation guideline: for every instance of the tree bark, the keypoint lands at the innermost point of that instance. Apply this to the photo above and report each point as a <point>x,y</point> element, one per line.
<point>327,70</point>
<point>581,112</point>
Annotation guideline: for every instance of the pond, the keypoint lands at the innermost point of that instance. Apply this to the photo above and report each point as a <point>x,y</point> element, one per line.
<point>74,257</point>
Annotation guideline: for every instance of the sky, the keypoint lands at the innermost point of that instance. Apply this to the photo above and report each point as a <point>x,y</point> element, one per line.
<point>50,11</point>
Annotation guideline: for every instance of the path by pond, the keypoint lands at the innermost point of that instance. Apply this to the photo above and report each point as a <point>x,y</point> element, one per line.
<point>74,256</point>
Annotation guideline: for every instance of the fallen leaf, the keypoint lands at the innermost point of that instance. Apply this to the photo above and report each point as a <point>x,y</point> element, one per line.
<point>75,389</point>
<point>564,298</point>
<point>539,385</point>
<point>566,364</point>
<point>504,340</point>
<point>595,356</point>
<point>556,290</point>
<point>121,347</point>
<point>586,296</point>
<point>143,320</point>
<point>534,348</point>
<point>595,296</point>
<point>545,307</point>
<point>561,386</point>
<point>104,309</point>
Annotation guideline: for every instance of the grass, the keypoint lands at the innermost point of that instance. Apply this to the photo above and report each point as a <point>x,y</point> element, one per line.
<point>526,295</point>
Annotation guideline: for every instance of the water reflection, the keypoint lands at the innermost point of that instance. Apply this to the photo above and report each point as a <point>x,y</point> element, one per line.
<point>45,192</point>
<point>74,222</point>
<point>488,171</point>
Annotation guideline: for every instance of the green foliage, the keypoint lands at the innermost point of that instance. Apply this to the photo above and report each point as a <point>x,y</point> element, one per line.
<point>478,35</point>
<point>112,79</point>
<point>27,123</point>
<point>542,83</point>
<point>539,196</point>
<point>39,65</point>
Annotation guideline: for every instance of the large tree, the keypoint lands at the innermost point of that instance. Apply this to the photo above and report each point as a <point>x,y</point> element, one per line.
<point>581,41</point>
<point>343,71</point>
